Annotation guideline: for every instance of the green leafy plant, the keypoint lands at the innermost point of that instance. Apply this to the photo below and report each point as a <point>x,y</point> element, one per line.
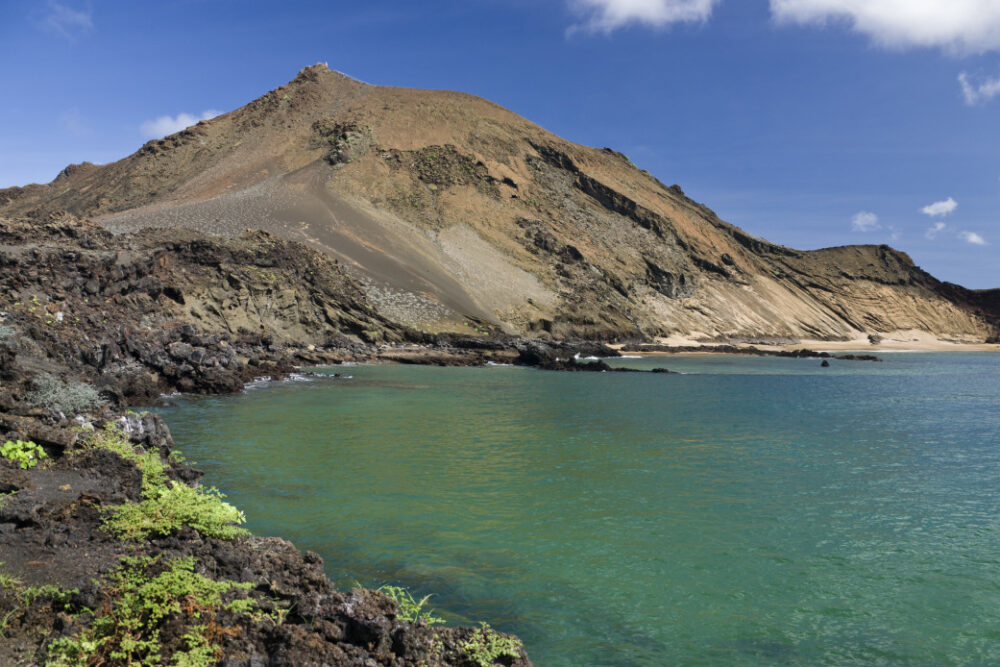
<point>171,508</point>
<point>409,609</point>
<point>486,645</point>
<point>141,604</point>
<point>26,454</point>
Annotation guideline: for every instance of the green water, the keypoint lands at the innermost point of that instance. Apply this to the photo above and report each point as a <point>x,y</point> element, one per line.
<point>750,511</point>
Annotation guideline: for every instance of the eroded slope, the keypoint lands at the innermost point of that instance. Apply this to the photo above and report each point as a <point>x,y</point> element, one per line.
<point>453,212</point>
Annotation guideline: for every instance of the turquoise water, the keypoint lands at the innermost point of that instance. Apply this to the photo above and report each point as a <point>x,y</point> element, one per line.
<point>749,511</point>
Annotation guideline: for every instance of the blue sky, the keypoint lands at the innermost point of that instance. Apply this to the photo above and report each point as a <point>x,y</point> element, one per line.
<point>809,122</point>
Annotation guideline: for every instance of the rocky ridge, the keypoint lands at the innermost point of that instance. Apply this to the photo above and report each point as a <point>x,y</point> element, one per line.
<point>454,214</point>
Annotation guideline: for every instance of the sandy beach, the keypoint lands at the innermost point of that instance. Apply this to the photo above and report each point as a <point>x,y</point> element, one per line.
<point>895,341</point>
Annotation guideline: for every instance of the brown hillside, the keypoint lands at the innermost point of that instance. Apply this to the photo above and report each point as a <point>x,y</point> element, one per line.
<point>449,209</point>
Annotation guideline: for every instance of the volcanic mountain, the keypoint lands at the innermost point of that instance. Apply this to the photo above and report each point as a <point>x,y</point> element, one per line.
<point>455,214</point>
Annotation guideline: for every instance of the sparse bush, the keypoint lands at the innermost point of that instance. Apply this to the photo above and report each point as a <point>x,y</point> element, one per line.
<point>141,605</point>
<point>70,399</point>
<point>407,608</point>
<point>27,454</point>
<point>8,580</point>
<point>113,438</point>
<point>486,645</point>
<point>174,507</point>
<point>25,596</point>
<point>166,505</point>
<point>6,332</point>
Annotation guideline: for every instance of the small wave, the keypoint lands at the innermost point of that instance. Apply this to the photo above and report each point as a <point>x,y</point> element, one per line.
<point>257,382</point>
<point>493,363</point>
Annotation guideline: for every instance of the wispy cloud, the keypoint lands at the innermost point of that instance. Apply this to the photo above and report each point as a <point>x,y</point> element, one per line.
<point>864,221</point>
<point>166,125</point>
<point>978,89</point>
<point>940,208</point>
<point>73,122</point>
<point>608,15</point>
<point>65,20</point>
<point>934,230</point>
<point>973,238</point>
<point>957,26</point>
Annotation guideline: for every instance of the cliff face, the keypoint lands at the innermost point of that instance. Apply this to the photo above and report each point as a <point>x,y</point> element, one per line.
<point>452,212</point>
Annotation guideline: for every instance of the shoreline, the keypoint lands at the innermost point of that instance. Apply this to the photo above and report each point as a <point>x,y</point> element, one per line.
<point>891,342</point>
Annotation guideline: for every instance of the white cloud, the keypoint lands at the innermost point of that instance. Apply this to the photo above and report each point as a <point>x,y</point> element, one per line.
<point>73,122</point>
<point>166,125</point>
<point>608,15</point>
<point>973,238</point>
<point>958,26</point>
<point>980,90</point>
<point>864,221</point>
<point>940,208</point>
<point>66,21</point>
<point>934,230</point>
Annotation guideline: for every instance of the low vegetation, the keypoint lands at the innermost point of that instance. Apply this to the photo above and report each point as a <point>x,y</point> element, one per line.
<point>166,505</point>
<point>70,399</point>
<point>144,596</point>
<point>26,454</point>
<point>152,467</point>
<point>409,609</point>
<point>21,597</point>
<point>486,646</point>
<point>176,506</point>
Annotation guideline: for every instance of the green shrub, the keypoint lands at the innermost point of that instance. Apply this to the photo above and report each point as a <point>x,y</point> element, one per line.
<point>166,506</point>
<point>486,645</point>
<point>407,608</point>
<point>171,508</point>
<point>128,632</point>
<point>27,454</point>
<point>70,399</point>
<point>113,438</point>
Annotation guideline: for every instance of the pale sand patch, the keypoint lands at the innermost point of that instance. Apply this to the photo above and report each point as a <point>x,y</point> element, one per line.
<point>894,341</point>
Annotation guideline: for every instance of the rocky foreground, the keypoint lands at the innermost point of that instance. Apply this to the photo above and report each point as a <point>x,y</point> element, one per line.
<point>112,552</point>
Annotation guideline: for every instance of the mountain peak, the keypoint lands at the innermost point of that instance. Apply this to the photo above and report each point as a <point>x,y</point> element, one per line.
<point>452,210</point>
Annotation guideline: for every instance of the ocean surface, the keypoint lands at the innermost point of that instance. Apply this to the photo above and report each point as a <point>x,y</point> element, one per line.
<point>748,511</point>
